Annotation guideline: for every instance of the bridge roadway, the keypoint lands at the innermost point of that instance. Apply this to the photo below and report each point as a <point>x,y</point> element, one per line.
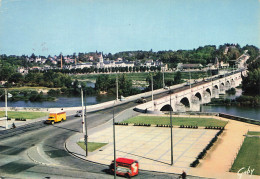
<point>190,97</point>
<point>37,150</point>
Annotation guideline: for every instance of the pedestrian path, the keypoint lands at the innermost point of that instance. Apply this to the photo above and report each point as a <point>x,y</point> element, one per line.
<point>19,123</point>
<point>222,155</point>
<point>151,147</point>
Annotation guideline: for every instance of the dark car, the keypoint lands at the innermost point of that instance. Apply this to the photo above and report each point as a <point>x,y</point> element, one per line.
<point>141,100</point>
<point>170,92</point>
<point>79,113</point>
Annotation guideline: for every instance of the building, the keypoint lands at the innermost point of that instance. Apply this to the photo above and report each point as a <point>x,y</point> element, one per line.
<point>241,61</point>
<point>182,66</point>
<point>110,64</point>
<point>22,70</point>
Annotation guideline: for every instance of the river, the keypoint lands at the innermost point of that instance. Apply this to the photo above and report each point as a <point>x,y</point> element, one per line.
<point>247,112</point>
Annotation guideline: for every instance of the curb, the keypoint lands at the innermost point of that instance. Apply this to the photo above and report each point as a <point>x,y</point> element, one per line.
<point>72,154</point>
<point>35,161</point>
<point>84,159</point>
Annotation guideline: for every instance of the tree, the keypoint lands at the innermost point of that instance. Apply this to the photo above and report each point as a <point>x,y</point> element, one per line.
<point>16,78</point>
<point>6,72</point>
<point>124,85</point>
<point>251,83</point>
<point>157,81</point>
<point>177,78</point>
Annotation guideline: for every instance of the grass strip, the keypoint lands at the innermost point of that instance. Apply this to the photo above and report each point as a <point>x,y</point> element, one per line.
<point>203,122</point>
<point>248,156</point>
<point>253,133</point>
<point>24,115</point>
<point>92,146</point>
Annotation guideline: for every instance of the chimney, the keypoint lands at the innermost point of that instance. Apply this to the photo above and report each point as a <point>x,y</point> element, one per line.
<point>61,61</point>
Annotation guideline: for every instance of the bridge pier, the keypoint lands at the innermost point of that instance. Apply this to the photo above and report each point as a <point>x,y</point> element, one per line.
<point>215,93</point>
<point>206,97</point>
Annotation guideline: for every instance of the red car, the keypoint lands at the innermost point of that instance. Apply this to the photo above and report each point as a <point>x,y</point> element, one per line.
<point>125,167</point>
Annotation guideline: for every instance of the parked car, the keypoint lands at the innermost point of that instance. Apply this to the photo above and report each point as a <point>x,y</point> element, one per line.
<point>79,113</point>
<point>125,167</point>
<point>170,92</point>
<point>141,100</point>
<point>187,84</point>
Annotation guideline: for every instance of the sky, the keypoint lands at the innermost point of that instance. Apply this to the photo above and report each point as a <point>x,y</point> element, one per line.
<point>51,27</point>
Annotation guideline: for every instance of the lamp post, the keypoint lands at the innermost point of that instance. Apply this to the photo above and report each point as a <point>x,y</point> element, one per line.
<point>116,87</point>
<point>163,78</point>
<point>6,123</point>
<point>171,129</point>
<point>190,80</point>
<point>84,123</point>
<point>152,86</point>
<point>114,140</point>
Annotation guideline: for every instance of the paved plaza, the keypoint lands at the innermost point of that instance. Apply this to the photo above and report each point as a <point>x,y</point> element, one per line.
<point>151,146</point>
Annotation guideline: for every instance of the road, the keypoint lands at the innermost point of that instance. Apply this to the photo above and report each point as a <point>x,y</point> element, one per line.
<point>37,150</point>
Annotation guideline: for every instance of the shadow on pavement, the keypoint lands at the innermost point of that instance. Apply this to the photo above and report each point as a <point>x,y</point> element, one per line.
<point>144,157</point>
<point>66,128</point>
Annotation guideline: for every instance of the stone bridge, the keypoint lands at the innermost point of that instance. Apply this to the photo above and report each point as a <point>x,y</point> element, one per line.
<point>190,98</point>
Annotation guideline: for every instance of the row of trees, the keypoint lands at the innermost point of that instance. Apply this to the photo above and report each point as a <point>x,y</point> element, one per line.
<point>105,83</point>
<point>105,70</point>
<point>158,80</point>
<point>48,79</point>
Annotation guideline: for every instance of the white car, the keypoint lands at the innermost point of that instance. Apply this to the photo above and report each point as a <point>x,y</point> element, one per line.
<point>79,113</point>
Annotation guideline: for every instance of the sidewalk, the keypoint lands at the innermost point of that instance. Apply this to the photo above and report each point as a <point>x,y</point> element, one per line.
<point>218,162</point>
<point>150,146</point>
<point>19,123</point>
<point>29,121</point>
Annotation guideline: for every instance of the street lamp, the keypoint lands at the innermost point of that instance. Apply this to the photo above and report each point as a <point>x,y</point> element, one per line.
<point>84,122</point>
<point>171,129</point>
<point>163,78</point>
<point>7,95</point>
<point>152,87</point>
<point>114,139</point>
<point>6,123</point>
<point>190,80</point>
<point>116,87</point>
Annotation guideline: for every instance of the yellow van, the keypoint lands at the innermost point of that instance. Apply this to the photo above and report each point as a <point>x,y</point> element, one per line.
<point>56,117</point>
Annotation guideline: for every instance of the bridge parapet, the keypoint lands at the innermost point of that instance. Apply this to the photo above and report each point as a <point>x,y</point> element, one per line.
<point>190,99</point>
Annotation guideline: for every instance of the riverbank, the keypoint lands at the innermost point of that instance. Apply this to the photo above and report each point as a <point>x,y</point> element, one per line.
<point>221,156</point>
<point>251,101</point>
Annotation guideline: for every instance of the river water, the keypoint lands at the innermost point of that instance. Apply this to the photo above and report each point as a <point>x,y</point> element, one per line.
<point>61,102</point>
<point>248,112</point>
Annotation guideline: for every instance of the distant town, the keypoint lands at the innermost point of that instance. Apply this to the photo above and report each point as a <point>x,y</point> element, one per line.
<point>107,63</point>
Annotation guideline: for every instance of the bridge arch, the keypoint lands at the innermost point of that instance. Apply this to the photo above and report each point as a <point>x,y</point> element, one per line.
<point>166,107</point>
<point>185,101</point>
<point>198,95</point>
<point>215,86</point>
<point>208,90</point>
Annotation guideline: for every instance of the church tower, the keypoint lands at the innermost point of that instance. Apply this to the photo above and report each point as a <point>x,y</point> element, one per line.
<point>101,59</point>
